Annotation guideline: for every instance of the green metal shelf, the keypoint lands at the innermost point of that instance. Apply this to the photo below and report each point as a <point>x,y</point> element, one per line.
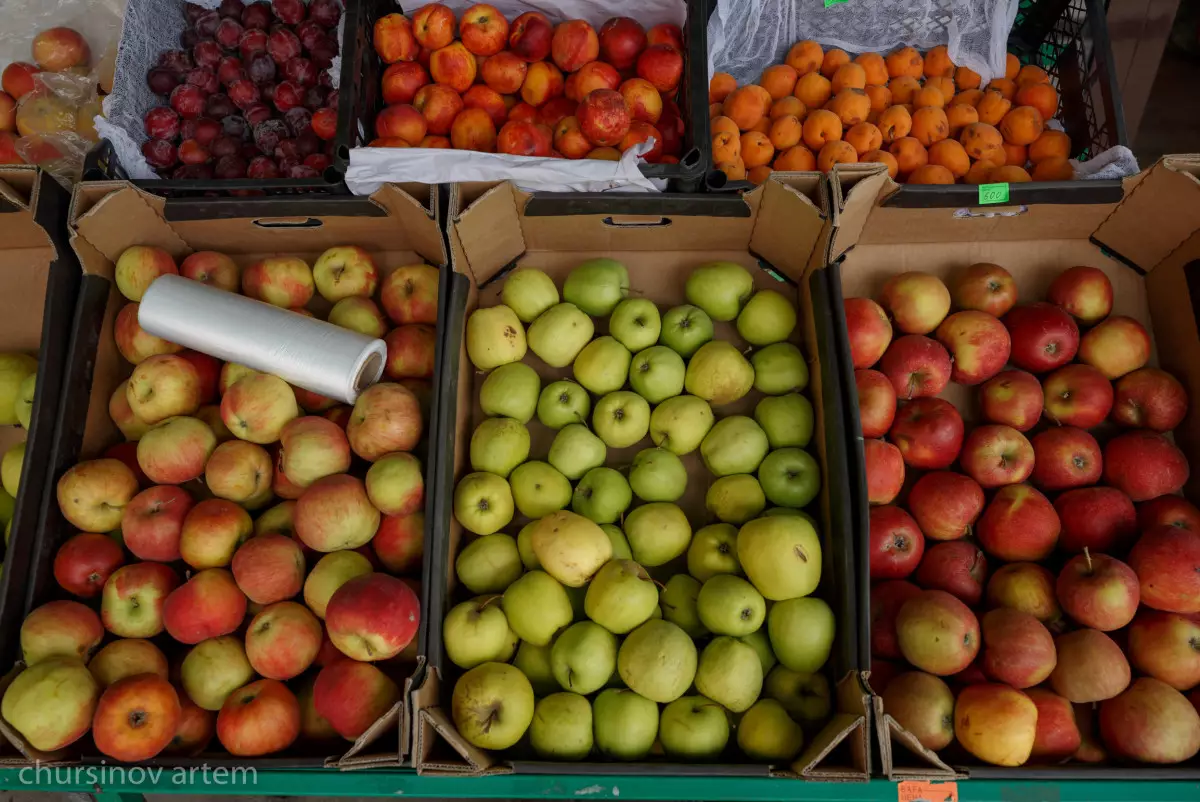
<point>394,783</point>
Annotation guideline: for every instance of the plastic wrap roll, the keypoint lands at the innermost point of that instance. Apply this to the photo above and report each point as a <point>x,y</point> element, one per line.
<point>308,353</point>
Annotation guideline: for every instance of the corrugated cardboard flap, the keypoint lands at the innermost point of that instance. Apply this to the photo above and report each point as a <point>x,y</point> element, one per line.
<point>18,208</point>
<point>848,726</point>
<point>139,213</point>
<point>494,237</point>
<point>1157,215</point>
<point>889,733</point>
<point>790,223</point>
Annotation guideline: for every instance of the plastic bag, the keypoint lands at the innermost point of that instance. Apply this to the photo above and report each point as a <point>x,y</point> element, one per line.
<point>746,36</point>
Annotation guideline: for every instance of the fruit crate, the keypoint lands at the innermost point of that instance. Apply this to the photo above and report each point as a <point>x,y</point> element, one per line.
<point>398,225</point>
<point>357,85</point>
<point>41,277</point>
<point>660,240</point>
<point>1153,279</point>
<point>694,161</point>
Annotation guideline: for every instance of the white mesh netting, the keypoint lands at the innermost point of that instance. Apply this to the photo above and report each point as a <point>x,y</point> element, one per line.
<point>746,36</point>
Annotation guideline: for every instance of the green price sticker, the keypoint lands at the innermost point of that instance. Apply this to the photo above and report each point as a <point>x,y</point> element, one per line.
<point>991,194</point>
<point>832,3</point>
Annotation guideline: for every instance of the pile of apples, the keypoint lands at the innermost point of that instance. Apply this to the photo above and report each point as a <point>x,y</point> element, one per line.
<point>243,545</point>
<point>929,121</point>
<point>18,383</point>
<point>1037,571</point>
<point>248,95</point>
<point>531,88</point>
<point>625,629</point>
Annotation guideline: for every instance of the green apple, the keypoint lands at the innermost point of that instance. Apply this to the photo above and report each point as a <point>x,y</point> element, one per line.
<point>575,451</point>
<point>657,533</point>
<point>559,334</point>
<point>537,607</point>
<point>779,369</point>
<point>677,600</point>
<point>563,402</point>
<point>528,292</point>
<point>787,420</point>
<point>729,605</point>
<point>620,545</point>
<point>14,370</point>
<point>483,503</point>
<point>498,445</point>
<point>621,419</point>
<point>657,475</point>
<point>656,373</point>
<point>489,564</point>
<point>806,696</point>
<point>679,424</point>
<point>694,728</point>
<point>768,317</point>
<point>781,555</point>
<point>621,596</point>
<point>7,505</point>
<point>729,672</point>
<point>562,727</point>
<point>713,551</point>
<point>602,366</point>
<point>734,445</point>
<point>23,406</point>
<point>658,660</point>
<point>477,631</point>
<point>801,632</point>
<point>735,499</point>
<point>772,512</point>
<point>10,468</point>
<point>495,337</point>
<point>626,724</point>
<point>534,662</point>
<point>718,373</point>
<point>570,547</point>
<point>720,288</point>
<point>602,495</point>
<point>761,644</point>
<point>636,323</point>
<point>790,477</point>
<point>539,489</point>
<point>767,733</point>
<point>597,286</point>
<point>686,328</point>
<point>511,391</point>
<point>525,547</point>
<point>492,705</point>
<point>583,657</point>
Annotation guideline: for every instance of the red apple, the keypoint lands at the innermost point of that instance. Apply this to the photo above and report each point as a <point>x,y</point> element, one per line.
<point>884,469</point>
<point>1168,511</point>
<point>410,351</point>
<point>1090,749</point>
<point>153,522</point>
<point>1057,735</point>
<point>400,543</point>
<point>997,455</point>
<point>208,605</point>
<point>1091,667</point>
<point>886,600</point>
<point>1027,587</point>
<point>882,673</point>
<point>957,567</point>
<point>978,343</point>
<point>283,640</point>
<point>1116,346</point>
<point>1044,337</point>
<point>372,617</point>
<point>1164,645</point>
<point>211,533</point>
<point>259,719</point>
<point>1144,465</point>
<point>876,402</point>
<point>1064,458</point>
<point>85,562</point>
<point>1149,398</point>
<point>896,544</point>
<point>209,370</point>
<point>132,603</point>
<point>924,706</point>
<point>1019,525</point>
<point>196,729</point>
<point>352,696</point>
<point>869,330</point>
<point>1013,398</point>
<point>1017,648</point>
<point>386,418</point>
<point>937,633</point>
<point>916,366</point>
<point>1084,292</point>
<point>1151,722</point>
<point>60,629</point>
<point>1100,519</point>
<point>136,718</point>
<point>984,287</point>
<point>928,432</point>
<point>1167,562</point>
<point>917,301</point>
<point>269,568</point>
<point>1078,395</point>
<point>945,504</point>
<point>1098,591</point>
<point>410,294</point>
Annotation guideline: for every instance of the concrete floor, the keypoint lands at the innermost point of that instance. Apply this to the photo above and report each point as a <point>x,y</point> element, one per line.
<point>1172,120</point>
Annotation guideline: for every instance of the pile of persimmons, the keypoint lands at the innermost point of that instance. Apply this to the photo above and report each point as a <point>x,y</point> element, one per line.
<point>929,121</point>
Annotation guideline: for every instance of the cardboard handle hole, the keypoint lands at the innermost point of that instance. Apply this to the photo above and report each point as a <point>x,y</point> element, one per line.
<point>304,222</point>
<point>631,222</point>
<point>967,214</point>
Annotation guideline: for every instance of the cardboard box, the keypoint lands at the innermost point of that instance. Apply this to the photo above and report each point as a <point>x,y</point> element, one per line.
<point>1148,244</point>
<point>398,225</point>
<point>774,231</point>
<point>39,280</point>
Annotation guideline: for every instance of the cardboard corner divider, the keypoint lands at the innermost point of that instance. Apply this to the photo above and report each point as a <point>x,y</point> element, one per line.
<point>779,232</point>
<point>1148,244</point>
<point>398,226</point>
<point>39,280</point>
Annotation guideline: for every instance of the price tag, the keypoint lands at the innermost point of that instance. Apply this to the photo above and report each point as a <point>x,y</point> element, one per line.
<point>832,3</point>
<point>923,791</point>
<point>991,194</point>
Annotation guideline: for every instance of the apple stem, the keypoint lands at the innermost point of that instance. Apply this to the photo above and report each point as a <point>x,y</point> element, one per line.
<point>1087,555</point>
<point>487,601</point>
